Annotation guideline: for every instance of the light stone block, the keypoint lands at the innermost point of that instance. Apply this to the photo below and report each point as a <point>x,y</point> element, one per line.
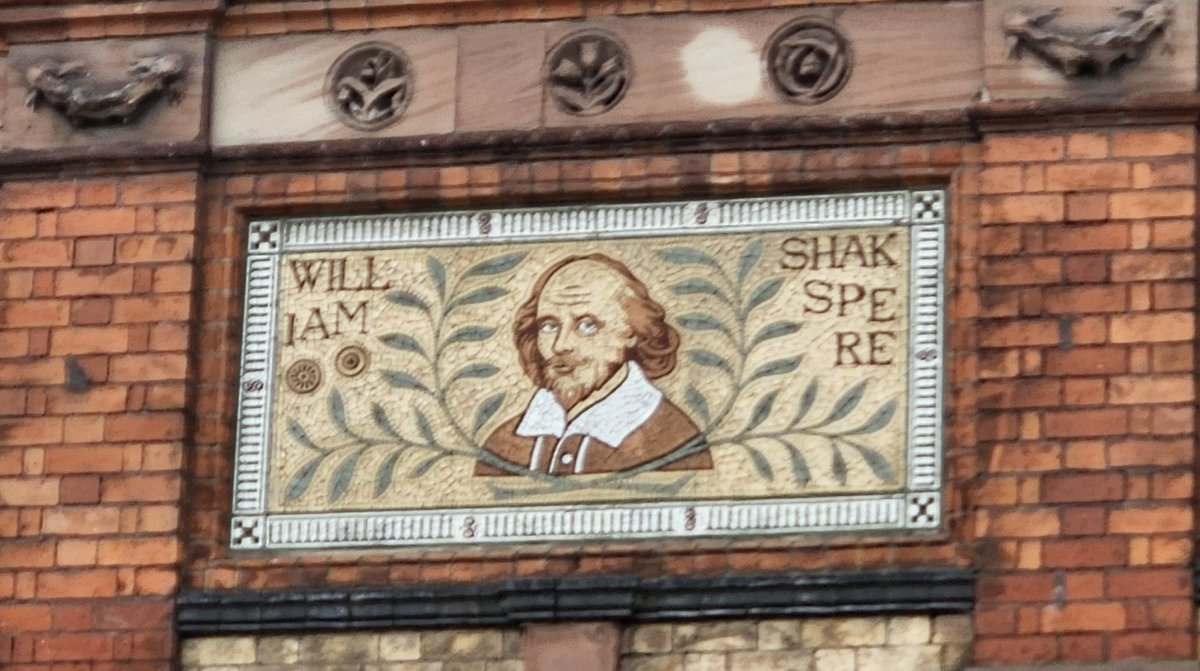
<point>898,657</point>
<point>653,663</point>
<point>650,638</point>
<point>844,633</point>
<point>834,659</point>
<point>715,636</point>
<point>506,665</point>
<point>914,630</point>
<point>400,647</point>
<point>955,656</point>
<point>776,660</point>
<point>218,651</point>
<point>952,629</point>
<point>457,645</point>
<point>279,650</point>
<point>778,634</point>
<point>340,648</point>
<point>704,661</point>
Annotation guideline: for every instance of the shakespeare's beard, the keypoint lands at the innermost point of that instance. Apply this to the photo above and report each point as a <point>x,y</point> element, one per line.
<point>572,379</point>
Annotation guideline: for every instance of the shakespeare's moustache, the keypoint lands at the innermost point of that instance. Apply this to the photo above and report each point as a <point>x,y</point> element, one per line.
<point>562,364</point>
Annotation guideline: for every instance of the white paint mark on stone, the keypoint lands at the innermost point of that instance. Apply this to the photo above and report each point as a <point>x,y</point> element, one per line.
<point>722,67</point>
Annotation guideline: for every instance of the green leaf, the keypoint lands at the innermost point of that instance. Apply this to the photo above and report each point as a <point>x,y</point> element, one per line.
<point>339,482</point>
<point>877,421</point>
<point>846,404</point>
<point>760,463</point>
<point>483,295</point>
<point>777,367</point>
<point>750,259</point>
<point>838,465</point>
<point>707,359</point>
<point>402,342</point>
<point>879,466</point>
<point>476,371</point>
<point>401,380</point>
<point>799,465</point>
<point>438,272</point>
<point>425,429</point>
<point>385,424</point>
<point>299,435</point>
<point>337,410</point>
<point>684,256</point>
<point>486,410</point>
<point>500,264</point>
<point>765,292</point>
<point>424,466</point>
<point>776,330</point>
<point>695,401</point>
<point>806,402</point>
<point>698,321</point>
<point>470,334</point>
<point>383,479</point>
<point>408,300</point>
<point>762,410</point>
<point>303,478</point>
<point>699,287</point>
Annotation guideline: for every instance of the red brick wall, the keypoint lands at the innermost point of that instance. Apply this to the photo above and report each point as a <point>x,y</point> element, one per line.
<point>1084,509</point>
<point>1069,448</point>
<point>96,277</point>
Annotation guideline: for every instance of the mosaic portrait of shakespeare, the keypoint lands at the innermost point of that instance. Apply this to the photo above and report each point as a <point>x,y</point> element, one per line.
<point>592,340</point>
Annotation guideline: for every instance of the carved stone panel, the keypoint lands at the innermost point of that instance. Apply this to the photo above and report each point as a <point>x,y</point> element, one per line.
<point>1044,48</point>
<point>103,92</point>
<point>711,368</point>
<point>722,66</point>
<point>277,89</point>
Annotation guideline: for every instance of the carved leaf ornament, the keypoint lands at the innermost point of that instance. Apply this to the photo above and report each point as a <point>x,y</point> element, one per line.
<point>588,73</point>
<point>1074,51</point>
<point>370,86</point>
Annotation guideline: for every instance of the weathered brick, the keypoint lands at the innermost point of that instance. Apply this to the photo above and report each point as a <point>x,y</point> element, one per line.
<point>34,254</point>
<point>1082,487</point>
<point>1148,205</point>
<point>96,221</point>
<point>1157,327</point>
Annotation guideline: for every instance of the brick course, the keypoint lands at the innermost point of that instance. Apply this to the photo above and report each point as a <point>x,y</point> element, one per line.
<point>91,554</point>
<point>1093,596</point>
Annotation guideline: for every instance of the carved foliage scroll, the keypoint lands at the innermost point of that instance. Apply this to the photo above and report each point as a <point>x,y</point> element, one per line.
<point>1077,51</point>
<point>68,86</point>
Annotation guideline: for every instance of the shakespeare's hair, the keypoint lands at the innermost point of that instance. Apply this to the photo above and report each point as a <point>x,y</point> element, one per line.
<point>656,341</point>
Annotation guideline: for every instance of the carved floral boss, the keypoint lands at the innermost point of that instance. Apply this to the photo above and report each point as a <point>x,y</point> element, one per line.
<point>68,87</point>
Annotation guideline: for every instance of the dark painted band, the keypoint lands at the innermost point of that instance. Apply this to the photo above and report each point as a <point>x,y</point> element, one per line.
<point>625,598</point>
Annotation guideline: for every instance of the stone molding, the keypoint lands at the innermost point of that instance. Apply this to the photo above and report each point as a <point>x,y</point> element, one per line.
<point>581,599</point>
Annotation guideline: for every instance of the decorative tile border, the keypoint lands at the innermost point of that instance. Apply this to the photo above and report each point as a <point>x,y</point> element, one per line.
<point>917,507</point>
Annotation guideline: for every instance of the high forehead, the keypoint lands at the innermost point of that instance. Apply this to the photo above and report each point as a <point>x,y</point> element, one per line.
<point>583,282</point>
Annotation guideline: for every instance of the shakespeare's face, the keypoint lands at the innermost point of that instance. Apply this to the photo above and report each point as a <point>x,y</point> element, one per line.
<point>584,333</point>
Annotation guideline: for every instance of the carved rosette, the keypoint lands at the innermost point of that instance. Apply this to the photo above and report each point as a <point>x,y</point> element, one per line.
<point>588,73</point>
<point>808,61</point>
<point>370,86</point>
